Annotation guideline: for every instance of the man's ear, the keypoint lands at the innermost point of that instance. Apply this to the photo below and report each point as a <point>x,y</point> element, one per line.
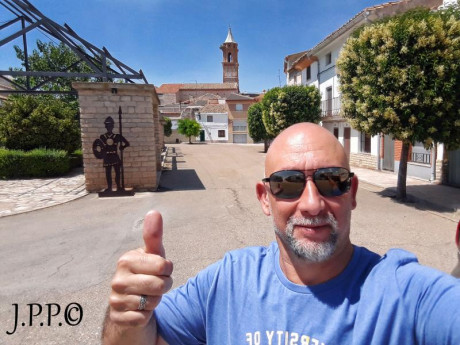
<point>262,195</point>
<point>354,191</point>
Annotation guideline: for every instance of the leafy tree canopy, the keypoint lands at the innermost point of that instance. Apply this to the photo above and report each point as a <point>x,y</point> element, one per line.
<point>30,122</point>
<point>50,57</point>
<point>401,76</point>
<point>188,127</point>
<point>283,107</point>
<point>256,126</point>
<point>167,128</point>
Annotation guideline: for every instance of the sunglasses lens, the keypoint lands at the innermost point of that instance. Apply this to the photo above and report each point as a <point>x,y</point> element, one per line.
<point>287,184</point>
<point>332,181</point>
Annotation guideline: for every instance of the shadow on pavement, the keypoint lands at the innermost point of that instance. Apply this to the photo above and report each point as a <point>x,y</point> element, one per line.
<point>173,180</point>
<point>435,198</point>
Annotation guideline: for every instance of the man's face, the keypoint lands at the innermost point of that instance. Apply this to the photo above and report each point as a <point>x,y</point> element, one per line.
<point>312,227</point>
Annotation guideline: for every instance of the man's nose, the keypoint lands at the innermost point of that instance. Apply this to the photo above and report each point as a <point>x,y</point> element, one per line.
<point>311,201</point>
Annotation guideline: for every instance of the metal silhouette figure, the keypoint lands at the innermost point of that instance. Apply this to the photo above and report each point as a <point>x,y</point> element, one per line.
<point>106,148</point>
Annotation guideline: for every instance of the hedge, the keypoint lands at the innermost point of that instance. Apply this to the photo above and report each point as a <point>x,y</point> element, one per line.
<point>34,163</point>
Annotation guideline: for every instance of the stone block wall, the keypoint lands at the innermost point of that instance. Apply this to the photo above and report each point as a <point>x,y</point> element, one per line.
<point>363,160</point>
<point>141,127</point>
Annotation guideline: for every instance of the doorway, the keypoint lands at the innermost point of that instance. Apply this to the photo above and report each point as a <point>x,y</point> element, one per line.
<point>388,153</point>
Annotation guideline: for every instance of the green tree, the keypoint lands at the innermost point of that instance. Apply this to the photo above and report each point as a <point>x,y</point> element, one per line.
<point>167,128</point>
<point>49,57</point>
<point>256,126</point>
<point>188,127</point>
<point>30,122</point>
<point>283,107</point>
<point>401,77</point>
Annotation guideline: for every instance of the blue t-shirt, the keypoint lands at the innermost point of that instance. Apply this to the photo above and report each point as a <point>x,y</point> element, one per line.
<point>246,299</point>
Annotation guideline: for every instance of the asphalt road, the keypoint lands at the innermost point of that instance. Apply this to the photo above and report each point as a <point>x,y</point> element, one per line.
<point>67,254</point>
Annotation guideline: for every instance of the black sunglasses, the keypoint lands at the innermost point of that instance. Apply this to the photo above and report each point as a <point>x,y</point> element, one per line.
<point>289,184</point>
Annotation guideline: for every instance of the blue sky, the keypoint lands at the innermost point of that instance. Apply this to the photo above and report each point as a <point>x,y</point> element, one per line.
<point>177,41</point>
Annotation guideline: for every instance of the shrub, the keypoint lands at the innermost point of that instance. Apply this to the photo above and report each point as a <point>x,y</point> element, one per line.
<point>35,163</point>
<point>76,159</point>
<point>30,122</point>
<point>285,106</point>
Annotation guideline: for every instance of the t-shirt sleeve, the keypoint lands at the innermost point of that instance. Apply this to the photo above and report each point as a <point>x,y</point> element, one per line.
<point>433,298</point>
<point>181,314</point>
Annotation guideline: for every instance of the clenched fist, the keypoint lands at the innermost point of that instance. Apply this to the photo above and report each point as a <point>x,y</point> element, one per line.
<point>141,278</point>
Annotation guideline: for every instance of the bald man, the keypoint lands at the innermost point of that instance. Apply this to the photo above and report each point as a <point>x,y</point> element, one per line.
<point>311,286</point>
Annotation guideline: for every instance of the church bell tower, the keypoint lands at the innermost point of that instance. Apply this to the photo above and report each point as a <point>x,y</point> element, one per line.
<point>230,59</point>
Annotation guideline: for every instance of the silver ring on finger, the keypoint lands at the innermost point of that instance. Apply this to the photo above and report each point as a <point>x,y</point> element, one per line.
<point>142,302</point>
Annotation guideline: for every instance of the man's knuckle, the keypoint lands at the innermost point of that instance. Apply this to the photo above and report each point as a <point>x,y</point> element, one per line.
<point>124,262</point>
<point>160,285</point>
<point>115,302</point>
<point>118,284</point>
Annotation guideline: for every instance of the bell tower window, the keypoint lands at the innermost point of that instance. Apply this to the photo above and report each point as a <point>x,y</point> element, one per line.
<point>229,57</point>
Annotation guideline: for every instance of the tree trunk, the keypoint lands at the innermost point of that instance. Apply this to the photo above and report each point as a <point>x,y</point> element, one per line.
<point>189,140</point>
<point>265,145</point>
<point>402,173</point>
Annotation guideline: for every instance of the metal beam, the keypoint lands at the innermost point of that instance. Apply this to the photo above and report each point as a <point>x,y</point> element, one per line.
<point>38,92</point>
<point>11,22</point>
<point>67,74</point>
<point>96,58</point>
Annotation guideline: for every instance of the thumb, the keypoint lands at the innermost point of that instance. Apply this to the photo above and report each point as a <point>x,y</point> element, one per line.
<point>153,233</point>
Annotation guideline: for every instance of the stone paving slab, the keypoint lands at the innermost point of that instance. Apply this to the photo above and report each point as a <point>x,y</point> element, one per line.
<point>19,196</point>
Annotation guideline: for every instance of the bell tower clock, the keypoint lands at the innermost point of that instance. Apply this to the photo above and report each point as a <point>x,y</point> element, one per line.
<point>230,59</point>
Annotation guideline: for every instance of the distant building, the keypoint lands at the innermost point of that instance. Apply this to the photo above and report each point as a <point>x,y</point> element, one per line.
<point>221,103</point>
<point>230,60</point>
<point>317,67</point>
<point>5,85</point>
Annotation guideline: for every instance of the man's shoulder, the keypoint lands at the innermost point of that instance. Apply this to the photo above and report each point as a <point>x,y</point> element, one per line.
<point>401,269</point>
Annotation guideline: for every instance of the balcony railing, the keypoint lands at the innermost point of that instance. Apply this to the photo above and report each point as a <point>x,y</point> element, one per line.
<point>331,107</point>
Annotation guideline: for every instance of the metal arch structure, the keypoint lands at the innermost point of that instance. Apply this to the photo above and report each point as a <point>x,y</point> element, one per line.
<point>95,58</point>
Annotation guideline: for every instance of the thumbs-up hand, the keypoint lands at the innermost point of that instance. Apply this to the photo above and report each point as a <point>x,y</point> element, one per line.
<point>142,277</point>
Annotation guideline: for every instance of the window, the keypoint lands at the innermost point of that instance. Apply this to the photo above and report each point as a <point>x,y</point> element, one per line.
<point>329,101</point>
<point>328,58</point>
<point>229,57</point>
<point>209,118</point>
<point>221,133</point>
<point>239,126</point>
<point>365,143</point>
<point>308,72</point>
<point>239,107</point>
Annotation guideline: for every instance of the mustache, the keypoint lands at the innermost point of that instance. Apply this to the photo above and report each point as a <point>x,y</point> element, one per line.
<point>313,221</point>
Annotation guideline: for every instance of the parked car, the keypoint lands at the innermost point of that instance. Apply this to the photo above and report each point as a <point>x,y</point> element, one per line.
<point>456,271</point>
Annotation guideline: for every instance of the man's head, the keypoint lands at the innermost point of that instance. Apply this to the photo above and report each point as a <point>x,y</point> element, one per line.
<point>310,225</point>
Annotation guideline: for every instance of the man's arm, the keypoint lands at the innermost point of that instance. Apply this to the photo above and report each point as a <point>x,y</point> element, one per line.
<point>140,272</point>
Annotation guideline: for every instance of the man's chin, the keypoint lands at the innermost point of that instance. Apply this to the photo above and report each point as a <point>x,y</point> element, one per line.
<point>318,235</point>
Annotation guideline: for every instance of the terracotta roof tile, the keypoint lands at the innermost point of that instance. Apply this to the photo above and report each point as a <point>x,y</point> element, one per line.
<point>168,88</point>
<point>239,97</point>
<point>214,108</point>
<point>209,86</point>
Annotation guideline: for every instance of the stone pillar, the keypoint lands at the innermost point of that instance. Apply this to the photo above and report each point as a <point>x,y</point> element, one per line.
<point>141,125</point>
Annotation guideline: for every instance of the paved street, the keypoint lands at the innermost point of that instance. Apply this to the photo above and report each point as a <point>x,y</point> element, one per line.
<point>67,253</point>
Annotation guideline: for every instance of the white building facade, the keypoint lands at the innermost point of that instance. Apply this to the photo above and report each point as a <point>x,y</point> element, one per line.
<point>317,67</point>
<point>213,119</point>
